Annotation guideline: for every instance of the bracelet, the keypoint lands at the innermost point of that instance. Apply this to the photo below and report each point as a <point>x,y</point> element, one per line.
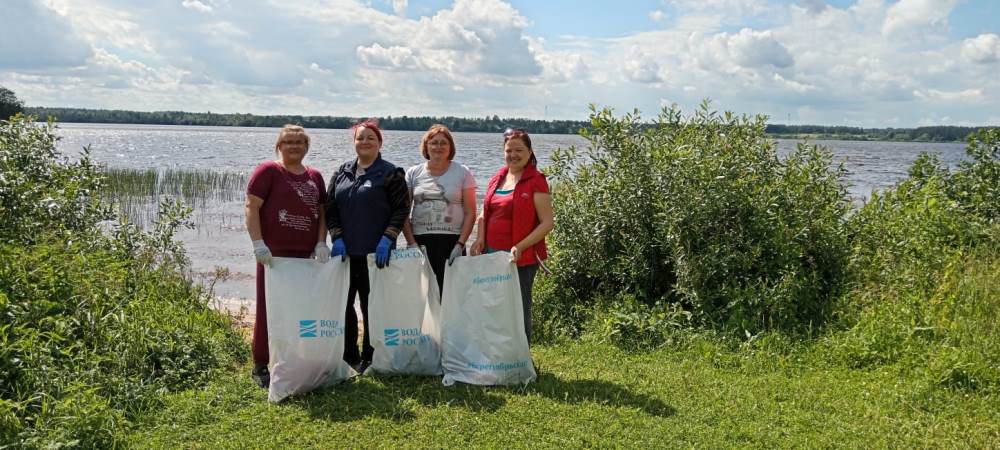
<point>461,243</point>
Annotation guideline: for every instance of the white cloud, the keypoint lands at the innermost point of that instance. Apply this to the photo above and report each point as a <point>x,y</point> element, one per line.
<point>912,16</point>
<point>399,7</point>
<point>982,49</point>
<point>36,37</point>
<point>746,51</point>
<point>866,63</point>
<point>792,84</point>
<point>197,6</point>
<point>641,67</point>
<point>963,96</point>
<point>757,48</point>
<point>387,57</point>
<point>564,67</point>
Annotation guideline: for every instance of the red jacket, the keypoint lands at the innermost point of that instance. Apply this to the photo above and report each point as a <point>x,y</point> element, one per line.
<point>525,217</point>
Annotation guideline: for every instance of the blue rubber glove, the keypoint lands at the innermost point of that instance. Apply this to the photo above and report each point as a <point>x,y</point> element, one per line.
<point>339,249</point>
<point>382,252</point>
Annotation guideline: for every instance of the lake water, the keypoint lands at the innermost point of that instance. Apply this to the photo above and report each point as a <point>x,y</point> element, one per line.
<point>220,239</point>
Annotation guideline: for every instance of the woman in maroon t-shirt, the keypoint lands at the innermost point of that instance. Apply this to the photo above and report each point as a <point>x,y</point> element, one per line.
<point>284,213</point>
<point>517,214</point>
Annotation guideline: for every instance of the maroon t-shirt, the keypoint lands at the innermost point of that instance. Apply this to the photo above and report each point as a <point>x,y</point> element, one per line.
<point>289,217</point>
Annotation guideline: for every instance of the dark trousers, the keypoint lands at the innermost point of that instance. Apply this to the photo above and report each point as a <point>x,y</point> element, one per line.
<point>438,248</point>
<point>359,285</point>
<point>258,345</point>
<point>526,277</point>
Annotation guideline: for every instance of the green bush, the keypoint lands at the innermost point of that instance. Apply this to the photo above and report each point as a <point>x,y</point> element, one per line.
<point>42,191</point>
<point>925,267</point>
<point>946,328</point>
<point>634,325</point>
<point>699,212</point>
<point>99,321</point>
<point>976,183</point>
<point>915,224</point>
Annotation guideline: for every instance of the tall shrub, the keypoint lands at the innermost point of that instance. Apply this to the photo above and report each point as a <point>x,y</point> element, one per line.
<point>700,212</point>
<point>924,265</point>
<point>98,319</point>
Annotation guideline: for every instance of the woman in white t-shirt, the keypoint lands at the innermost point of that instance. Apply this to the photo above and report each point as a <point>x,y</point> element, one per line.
<point>444,201</point>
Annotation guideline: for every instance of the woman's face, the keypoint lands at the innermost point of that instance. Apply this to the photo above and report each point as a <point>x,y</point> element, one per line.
<point>516,154</point>
<point>292,148</point>
<point>366,143</point>
<point>438,148</point>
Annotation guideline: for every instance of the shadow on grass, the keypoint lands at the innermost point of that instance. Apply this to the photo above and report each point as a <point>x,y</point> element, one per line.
<point>394,397</point>
<point>598,392</point>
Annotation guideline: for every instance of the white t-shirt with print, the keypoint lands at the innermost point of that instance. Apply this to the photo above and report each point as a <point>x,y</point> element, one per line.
<point>437,201</point>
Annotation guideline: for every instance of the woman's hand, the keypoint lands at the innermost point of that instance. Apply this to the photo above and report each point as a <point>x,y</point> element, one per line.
<point>261,252</point>
<point>477,248</point>
<point>338,249</point>
<point>455,253</point>
<point>321,252</point>
<point>515,254</point>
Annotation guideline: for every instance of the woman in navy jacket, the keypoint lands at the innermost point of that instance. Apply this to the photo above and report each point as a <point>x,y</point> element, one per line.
<point>366,207</point>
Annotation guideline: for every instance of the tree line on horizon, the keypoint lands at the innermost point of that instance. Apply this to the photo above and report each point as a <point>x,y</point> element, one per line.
<point>487,124</point>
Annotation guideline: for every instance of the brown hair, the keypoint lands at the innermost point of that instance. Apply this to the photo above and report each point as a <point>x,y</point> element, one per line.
<point>519,133</point>
<point>434,130</point>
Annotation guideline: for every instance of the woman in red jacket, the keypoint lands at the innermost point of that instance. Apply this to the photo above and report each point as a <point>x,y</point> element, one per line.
<point>517,214</point>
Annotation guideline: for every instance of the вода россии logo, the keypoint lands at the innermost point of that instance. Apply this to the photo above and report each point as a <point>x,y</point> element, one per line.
<point>307,328</point>
<point>320,328</point>
<point>405,336</point>
<point>391,336</point>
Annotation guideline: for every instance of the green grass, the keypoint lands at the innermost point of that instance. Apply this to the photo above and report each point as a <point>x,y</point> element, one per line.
<point>594,395</point>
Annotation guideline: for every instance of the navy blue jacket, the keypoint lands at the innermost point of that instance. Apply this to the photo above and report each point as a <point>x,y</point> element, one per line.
<point>362,209</point>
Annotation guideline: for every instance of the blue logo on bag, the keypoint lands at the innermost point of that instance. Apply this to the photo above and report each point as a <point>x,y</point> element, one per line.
<point>498,366</point>
<point>307,328</point>
<point>391,337</point>
<point>320,329</point>
<point>407,253</point>
<point>405,336</point>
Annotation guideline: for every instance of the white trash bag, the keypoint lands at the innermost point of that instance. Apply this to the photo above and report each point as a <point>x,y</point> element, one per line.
<point>403,313</point>
<point>305,303</point>
<point>482,323</point>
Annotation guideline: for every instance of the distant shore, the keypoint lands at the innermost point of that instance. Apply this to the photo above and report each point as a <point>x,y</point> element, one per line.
<point>474,124</point>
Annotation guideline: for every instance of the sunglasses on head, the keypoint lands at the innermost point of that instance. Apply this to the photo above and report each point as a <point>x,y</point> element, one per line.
<point>514,132</point>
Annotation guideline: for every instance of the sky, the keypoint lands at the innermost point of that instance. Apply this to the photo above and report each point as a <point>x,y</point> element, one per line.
<point>869,63</point>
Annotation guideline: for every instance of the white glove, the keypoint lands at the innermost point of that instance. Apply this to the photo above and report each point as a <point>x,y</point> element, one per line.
<point>261,252</point>
<point>455,253</point>
<point>321,252</point>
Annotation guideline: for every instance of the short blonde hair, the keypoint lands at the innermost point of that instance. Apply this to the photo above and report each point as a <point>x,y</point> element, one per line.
<point>434,130</point>
<point>291,129</point>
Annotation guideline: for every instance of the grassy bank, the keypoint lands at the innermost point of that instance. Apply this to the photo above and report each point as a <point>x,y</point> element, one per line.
<point>704,294</point>
<point>99,321</point>
<point>596,395</point>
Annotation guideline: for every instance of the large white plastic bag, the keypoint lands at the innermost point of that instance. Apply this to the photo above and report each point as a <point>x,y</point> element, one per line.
<point>403,313</point>
<point>482,323</point>
<point>305,324</point>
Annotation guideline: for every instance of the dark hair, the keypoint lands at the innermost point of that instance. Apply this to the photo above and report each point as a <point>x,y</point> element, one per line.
<point>435,130</point>
<point>371,124</point>
<point>519,133</point>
